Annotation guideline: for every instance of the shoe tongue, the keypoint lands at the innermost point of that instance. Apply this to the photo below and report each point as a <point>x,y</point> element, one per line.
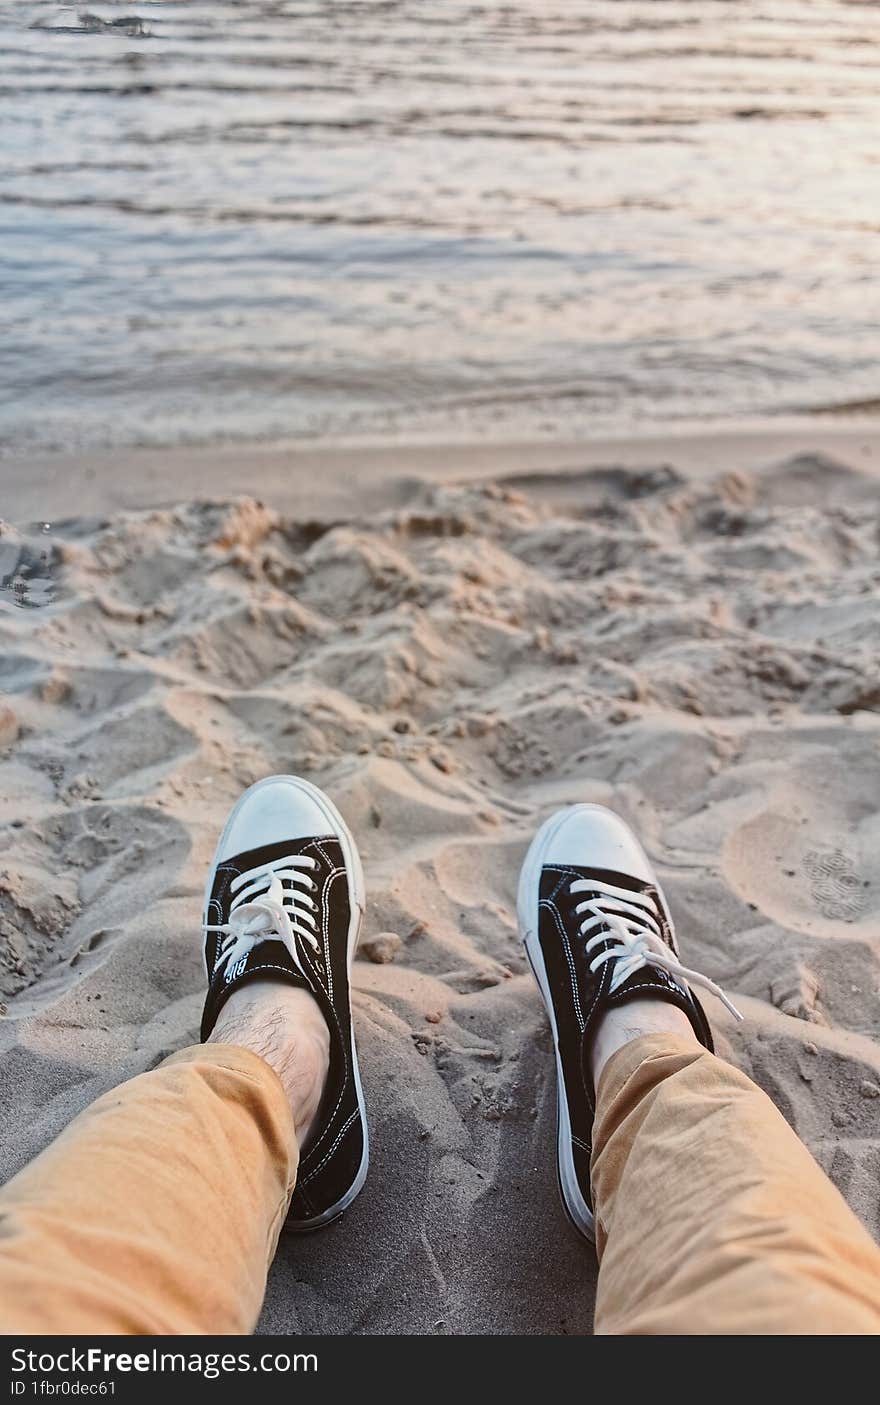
<point>267,954</point>
<point>650,980</point>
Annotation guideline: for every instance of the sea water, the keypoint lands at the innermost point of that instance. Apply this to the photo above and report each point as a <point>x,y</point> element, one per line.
<point>280,219</point>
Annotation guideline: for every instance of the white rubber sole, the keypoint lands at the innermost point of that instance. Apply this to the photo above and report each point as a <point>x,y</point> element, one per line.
<point>576,1207</point>
<point>356,901</point>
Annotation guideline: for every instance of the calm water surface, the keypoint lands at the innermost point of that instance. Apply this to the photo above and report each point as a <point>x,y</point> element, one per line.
<point>252,219</point>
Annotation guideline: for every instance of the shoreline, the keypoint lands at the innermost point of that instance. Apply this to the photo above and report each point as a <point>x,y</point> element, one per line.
<point>323,477</point>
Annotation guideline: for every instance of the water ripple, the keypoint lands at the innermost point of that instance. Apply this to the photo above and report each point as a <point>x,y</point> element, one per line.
<point>261,218</point>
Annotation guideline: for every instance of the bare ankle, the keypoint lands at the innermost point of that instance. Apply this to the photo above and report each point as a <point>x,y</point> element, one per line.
<point>284,1025</point>
<point>632,1020</point>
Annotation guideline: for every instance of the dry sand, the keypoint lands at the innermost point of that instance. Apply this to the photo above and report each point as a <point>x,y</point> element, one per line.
<point>451,660</point>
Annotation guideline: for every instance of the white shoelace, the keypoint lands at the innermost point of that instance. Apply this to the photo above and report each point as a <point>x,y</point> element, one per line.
<point>262,907</point>
<point>637,939</point>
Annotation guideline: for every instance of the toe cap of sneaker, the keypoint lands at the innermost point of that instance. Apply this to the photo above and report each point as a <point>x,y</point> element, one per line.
<point>275,809</point>
<point>589,836</point>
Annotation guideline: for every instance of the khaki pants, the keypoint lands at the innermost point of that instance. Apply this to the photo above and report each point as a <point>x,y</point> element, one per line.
<point>158,1209</point>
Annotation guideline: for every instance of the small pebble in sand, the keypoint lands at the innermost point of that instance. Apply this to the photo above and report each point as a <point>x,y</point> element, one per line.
<point>869,1089</point>
<point>434,1016</point>
<point>55,689</point>
<point>811,1048</point>
<point>382,948</point>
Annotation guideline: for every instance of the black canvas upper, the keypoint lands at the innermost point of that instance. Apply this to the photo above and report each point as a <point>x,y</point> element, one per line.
<point>330,1160</point>
<point>580,996</point>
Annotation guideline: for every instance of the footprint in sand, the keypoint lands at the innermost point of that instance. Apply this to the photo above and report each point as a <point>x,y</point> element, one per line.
<point>29,570</point>
<point>835,886</point>
<point>820,883</point>
<point>69,886</point>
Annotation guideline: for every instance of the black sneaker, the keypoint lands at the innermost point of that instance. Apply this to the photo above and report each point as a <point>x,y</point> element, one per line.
<point>597,932</point>
<point>285,897</point>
